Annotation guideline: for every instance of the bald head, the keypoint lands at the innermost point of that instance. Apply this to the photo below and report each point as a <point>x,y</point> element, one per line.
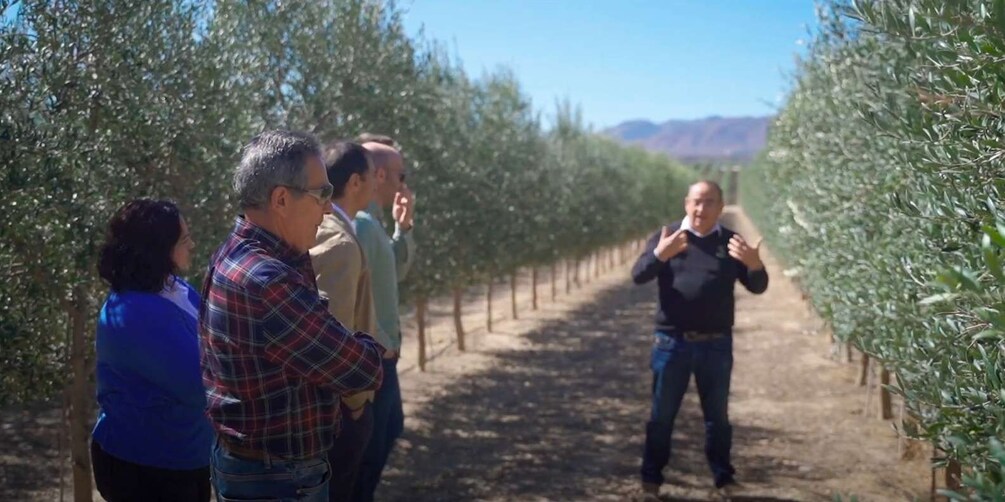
<point>389,167</point>
<point>706,184</point>
<point>369,137</point>
<point>382,154</point>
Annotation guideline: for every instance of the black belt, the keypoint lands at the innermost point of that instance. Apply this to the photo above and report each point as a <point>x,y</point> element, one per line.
<point>697,336</point>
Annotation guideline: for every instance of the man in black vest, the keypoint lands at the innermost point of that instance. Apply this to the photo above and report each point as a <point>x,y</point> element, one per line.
<point>696,263</point>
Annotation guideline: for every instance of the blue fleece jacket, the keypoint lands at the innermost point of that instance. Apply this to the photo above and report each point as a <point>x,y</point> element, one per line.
<point>149,383</point>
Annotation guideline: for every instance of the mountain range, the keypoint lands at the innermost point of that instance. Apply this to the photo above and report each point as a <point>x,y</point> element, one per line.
<point>714,139</point>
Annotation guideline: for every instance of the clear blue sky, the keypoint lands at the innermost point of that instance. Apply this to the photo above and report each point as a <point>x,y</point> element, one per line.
<point>627,59</point>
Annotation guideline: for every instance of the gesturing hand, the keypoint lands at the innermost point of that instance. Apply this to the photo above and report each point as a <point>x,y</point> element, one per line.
<point>403,209</point>
<point>671,245</point>
<point>749,256</point>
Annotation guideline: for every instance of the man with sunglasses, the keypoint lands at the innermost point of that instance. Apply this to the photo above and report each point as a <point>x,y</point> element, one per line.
<point>274,360</point>
<point>343,276</point>
<point>389,260</point>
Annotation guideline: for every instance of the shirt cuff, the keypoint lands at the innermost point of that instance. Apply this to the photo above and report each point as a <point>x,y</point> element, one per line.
<point>400,232</point>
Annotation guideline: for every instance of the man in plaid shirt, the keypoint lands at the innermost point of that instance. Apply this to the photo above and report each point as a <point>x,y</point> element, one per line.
<point>274,360</point>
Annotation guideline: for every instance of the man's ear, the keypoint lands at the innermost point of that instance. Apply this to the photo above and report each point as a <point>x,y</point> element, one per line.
<point>355,180</point>
<point>280,199</point>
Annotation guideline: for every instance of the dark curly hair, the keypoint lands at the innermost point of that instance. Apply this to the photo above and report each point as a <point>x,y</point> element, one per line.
<point>140,238</point>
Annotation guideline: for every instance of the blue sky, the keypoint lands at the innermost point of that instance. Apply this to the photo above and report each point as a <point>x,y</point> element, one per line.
<point>627,59</point>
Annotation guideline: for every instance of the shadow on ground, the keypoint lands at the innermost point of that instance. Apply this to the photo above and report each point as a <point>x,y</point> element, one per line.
<point>562,420</point>
<point>30,460</point>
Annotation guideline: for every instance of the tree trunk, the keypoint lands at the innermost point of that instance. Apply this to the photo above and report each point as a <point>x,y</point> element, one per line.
<point>80,399</point>
<point>488,306</point>
<point>420,319</point>
<point>568,278</point>
<point>953,473</point>
<point>931,491</point>
<point>512,293</point>
<point>575,278</point>
<point>63,435</point>
<point>885,406</point>
<point>533,288</point>
<point>863,374</point>
<point>458,325</point>
<point>554,292</point>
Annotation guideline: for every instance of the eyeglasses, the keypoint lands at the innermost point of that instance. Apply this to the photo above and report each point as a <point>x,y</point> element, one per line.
<point>401,177</point>
<point>323,194</point>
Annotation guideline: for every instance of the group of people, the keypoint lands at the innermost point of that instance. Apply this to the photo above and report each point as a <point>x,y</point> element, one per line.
<point>277,379</point>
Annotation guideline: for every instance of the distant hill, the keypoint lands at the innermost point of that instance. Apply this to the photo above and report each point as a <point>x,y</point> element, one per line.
<point>730,139</point>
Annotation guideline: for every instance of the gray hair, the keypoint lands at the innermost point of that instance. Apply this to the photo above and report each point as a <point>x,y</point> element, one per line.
<point>271,159</point>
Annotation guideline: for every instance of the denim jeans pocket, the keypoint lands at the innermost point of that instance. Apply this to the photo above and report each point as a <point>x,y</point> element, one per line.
<point>663,341</point>
<point>663,351</point>
<point>306,481</point>
<point>313,479</point>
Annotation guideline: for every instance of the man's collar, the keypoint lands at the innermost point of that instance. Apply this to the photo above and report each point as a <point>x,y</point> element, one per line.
<point>341,212</point>
<point>245,229</point>
<point>374,210</point>
<point>685,224</point>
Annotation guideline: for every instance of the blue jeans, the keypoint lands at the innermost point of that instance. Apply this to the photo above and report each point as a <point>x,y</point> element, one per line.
<point>388,424</point>
<point>273,480</point>
<point>673,361</point>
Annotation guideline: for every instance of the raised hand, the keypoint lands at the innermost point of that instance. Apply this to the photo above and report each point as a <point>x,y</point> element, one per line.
<point>403,209</point>
<point>671,244</point>
<point>749,256</point>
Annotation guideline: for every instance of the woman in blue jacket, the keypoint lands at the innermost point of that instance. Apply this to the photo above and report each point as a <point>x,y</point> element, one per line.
<point>152,439</point>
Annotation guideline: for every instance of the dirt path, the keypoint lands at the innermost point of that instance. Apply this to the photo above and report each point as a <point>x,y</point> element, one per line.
<point>551,407</point>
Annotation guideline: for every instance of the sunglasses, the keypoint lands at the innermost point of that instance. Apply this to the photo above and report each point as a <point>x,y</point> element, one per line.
<point>323,194</point>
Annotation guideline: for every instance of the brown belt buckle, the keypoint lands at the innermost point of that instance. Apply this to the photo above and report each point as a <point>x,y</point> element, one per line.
<point>697,336</point>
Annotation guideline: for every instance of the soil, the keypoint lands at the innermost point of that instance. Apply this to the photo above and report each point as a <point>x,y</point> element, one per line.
<point>552,406</point>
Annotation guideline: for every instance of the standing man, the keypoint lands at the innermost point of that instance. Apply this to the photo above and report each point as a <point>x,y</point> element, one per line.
<point>343,277</point>
<point>274,359</point>
<point>389,260</point>
<point>696,263</point>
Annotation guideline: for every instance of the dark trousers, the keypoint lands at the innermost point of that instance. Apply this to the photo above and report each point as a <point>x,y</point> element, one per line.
<point>388,424</point>
<point>673,362</point>
<point>347,453</point>
<point>120,481</point>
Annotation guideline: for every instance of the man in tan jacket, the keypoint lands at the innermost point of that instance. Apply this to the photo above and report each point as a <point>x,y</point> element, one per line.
<point>344,278</point>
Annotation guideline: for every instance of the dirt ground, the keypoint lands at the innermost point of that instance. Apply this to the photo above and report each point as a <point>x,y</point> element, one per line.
<point>552,406</point>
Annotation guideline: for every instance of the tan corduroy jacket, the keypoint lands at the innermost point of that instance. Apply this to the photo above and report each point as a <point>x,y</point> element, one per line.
<point>344,278</point>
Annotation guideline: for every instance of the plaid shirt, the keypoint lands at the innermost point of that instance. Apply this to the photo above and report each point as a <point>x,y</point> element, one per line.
<point>274,360</point>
